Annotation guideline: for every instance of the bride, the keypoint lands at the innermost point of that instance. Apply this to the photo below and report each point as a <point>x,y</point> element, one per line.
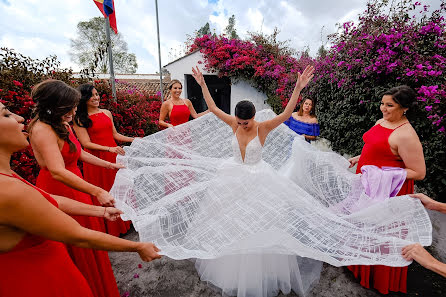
<point>257,206</point>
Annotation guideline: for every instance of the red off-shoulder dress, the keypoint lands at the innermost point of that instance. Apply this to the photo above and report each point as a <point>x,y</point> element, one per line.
<point>93,264</point>
<point>39,267</point>
<point>101,132</point>
<point>376,151</point>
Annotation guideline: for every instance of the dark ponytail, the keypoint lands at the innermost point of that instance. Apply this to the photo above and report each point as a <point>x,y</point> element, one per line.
<point>81,118</point>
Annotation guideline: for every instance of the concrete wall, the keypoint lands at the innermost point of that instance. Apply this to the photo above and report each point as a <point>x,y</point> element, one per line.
<point>239,91</point>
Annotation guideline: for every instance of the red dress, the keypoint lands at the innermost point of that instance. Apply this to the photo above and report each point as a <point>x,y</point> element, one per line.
<point>376,151</point>
<point>93,264</point>
<point>39,267</point>
<point>179,114</point>
<point>101,132</point>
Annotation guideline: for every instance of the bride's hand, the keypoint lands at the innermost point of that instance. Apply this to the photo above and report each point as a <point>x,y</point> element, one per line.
<point>196,73</point>
<point>304,78</point>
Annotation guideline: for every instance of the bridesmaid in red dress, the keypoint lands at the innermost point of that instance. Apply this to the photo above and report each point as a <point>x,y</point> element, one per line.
<point>97,134</point>
<point>57,151</point>
<point>391,142</point>
<point>177,109</point>
<point>31,221</point>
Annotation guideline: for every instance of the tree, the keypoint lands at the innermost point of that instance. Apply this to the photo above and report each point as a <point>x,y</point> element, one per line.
<point>89,49</point>
<point>205,30</point>
<point>321,52</point>
<point>230,30</point>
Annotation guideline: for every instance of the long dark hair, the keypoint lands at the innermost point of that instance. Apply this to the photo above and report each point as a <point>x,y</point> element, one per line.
<point>312,110</point>
<point>54,99</point>
<point>81,118</point>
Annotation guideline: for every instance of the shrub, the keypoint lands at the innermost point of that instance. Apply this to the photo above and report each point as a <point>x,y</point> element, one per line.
<point>135,114</point>
<point>390,45</point>
<point>384,49</point>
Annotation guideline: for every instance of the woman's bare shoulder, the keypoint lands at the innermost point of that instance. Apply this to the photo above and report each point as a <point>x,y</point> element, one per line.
<point>11,189</point>
<point>313,120</point>
<point>40,128</point>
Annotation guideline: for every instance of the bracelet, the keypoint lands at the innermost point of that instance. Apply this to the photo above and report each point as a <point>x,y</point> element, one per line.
<point>105,209</point>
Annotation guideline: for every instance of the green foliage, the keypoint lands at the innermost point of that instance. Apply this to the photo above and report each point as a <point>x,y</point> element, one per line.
<point>135,114</point>
<point>230,30</point>
<point>89,49</point>
<point>388,47</point>
<point>28,71</point>
<point>205,30</point>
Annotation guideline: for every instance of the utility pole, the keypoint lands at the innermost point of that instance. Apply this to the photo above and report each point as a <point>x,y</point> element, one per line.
<point>159,51</point>
<point>110,57</point>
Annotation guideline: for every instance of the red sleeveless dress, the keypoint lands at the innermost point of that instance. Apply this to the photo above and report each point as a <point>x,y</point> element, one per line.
<point>376,151</point>
<point>179,114</point>
<point>39,267</point>
<point>101,132</point>
<point>93,264</point>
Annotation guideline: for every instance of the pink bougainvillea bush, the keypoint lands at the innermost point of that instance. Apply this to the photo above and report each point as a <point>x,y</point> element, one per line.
<point>388,46</point>
<point>135,113</point>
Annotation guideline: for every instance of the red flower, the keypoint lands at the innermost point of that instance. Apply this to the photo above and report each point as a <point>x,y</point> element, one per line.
<point>17,83</point>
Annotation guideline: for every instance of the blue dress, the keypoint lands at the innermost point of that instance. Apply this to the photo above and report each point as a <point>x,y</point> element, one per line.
<point>310,129</point>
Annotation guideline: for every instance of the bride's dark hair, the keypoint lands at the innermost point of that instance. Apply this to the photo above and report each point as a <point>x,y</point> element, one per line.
<point>245,110</point>
<point>81,118</point>
<point>54,99</point>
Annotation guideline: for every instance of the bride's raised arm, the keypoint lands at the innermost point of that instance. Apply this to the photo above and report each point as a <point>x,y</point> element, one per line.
<point>302,80</point>
<point>228,119</point>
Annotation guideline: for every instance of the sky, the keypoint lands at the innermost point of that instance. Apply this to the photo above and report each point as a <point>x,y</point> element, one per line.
<point>39,28</point>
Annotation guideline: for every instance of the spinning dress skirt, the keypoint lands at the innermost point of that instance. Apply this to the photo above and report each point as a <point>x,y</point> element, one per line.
<point>261,223</point>
<point>40,267</point>
<point>93,264</point>
<point>376,151</point>
<point>101,132</point>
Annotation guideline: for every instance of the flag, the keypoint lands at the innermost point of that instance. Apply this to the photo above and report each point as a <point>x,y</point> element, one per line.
<point>107,7</point>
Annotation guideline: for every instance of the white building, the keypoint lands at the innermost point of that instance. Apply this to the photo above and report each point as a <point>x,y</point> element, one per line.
<point>226,93</point>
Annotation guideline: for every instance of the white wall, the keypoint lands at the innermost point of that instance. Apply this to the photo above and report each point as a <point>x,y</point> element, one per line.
<point>183,66</point>
<point>239,91</point>
<point>243,90</point>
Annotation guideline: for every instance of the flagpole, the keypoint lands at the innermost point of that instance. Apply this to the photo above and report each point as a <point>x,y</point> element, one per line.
<point>159,51</point>
<point>110,57</point>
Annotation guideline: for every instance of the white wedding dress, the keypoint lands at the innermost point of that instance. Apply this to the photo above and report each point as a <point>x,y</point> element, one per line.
<point>260,224</point>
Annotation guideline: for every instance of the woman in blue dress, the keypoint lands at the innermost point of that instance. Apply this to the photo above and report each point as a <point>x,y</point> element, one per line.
<point>304,121</point>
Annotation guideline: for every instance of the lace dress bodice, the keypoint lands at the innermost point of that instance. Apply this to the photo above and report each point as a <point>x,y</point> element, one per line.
<point>253,151</point>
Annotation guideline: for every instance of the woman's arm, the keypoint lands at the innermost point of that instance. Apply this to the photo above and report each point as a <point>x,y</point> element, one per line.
<point>117,136</point>
<point>91,159</point>
<point>411,152</point>
<point>418,253</point>
<point>44,143</point>
<point>193,113</point>
<point>302,80</point>
<point>76,208</point>
<point>354,160</point>
<point>84,139</point>
<point>212,107</point>
<point>31,212</point>
<point>430,203</point>
<point>310,137</point>
<point>163,114</point>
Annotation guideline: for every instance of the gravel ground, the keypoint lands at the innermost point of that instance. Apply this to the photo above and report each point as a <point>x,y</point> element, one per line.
<point>171,278</point>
